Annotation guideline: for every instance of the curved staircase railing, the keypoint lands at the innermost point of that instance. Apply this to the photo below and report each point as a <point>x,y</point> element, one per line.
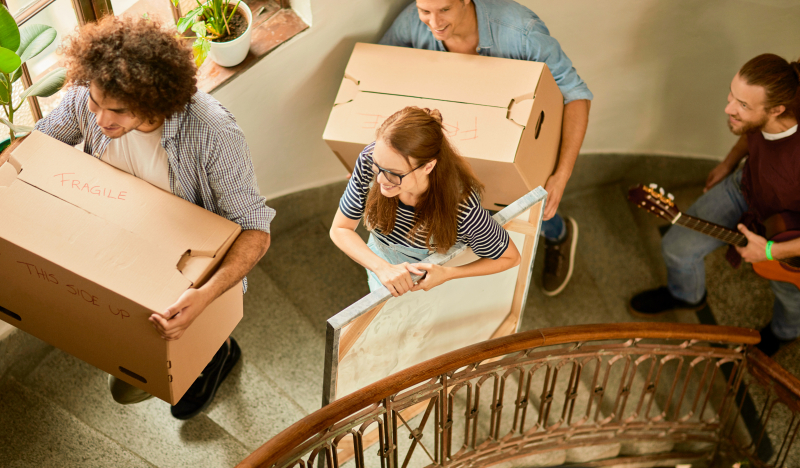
<point>627,394</point>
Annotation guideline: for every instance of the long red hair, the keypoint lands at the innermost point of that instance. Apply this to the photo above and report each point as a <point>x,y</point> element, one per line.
<point>418,135</point>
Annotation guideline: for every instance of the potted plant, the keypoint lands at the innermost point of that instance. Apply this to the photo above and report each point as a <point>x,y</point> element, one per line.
<point>17,46</point>
<point>222,31</point>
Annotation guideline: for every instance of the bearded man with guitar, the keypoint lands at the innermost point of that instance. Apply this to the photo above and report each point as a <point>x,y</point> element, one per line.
<point>763,107</point>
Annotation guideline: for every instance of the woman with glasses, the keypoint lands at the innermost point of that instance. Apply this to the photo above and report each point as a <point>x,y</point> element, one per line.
<point>417,196</point>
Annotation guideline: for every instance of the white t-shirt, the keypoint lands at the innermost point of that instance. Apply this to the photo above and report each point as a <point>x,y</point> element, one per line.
<point>141,155</point>
<point>778,136</point>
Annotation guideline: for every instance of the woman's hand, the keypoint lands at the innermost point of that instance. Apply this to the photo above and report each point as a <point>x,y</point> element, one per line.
<point>434,275</point>
<point>396,278</point>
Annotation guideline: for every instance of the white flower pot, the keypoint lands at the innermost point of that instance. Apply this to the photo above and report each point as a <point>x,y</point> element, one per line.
<point>232,53</point>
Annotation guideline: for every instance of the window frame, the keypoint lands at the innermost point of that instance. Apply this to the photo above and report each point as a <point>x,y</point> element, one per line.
<point>86,11</point>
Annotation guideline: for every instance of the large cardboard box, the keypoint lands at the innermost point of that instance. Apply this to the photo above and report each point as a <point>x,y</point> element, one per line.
<point>504,115</point>
<point>88,253</point>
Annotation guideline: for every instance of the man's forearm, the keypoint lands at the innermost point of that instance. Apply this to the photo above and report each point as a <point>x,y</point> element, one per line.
<point>573,130</point>
<point>787,249</point>
<point>243,255</point>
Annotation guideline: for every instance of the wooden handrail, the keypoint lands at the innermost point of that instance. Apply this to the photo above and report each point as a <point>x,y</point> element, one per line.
<point>274,449</point>
<point>773,370</point>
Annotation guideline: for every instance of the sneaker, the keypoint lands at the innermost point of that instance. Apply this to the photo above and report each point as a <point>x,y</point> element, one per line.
<point>770,343</point>
<point>202,391</point>
<point>660,301</point>
<point>559,259</point>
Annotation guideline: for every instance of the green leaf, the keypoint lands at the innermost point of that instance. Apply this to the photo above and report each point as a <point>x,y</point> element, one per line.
<point>34,39</point>
<point>199,29</point>
<point>187,20</point>
<point>200,50</point>
<point>9,61</point>
<point>17,129</point>
<point>48,85</point>
<point>17,74</point>
<point>9,32</point>
<point>5,89</point>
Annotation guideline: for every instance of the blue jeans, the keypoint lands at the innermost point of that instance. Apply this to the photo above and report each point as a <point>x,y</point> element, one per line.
<point>394,254</point>
<point>554,229</point>
<point>684,251</point>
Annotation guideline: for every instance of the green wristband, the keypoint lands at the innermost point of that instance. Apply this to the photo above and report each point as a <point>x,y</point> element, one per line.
<point>769,250</point>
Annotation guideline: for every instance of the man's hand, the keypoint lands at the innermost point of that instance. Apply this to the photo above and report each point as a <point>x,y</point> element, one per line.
<point>756,248</point>
<point>555,190</point>
<point>177,318</point>
<point>717,175</point>
<point>436,275</point>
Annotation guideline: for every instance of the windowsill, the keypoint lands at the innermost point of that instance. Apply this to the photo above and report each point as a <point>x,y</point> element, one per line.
<point>270,29</point>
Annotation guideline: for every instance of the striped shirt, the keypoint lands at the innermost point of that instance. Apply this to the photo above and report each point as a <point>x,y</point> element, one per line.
<point>476,228</point>
<point>209,161</point>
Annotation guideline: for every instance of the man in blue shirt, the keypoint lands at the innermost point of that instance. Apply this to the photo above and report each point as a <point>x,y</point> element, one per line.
<point>504,28</point>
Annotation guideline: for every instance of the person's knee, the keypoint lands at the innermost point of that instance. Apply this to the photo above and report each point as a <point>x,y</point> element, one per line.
<point>678,246</point>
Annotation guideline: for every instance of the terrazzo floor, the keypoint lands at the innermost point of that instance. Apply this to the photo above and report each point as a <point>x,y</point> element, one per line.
<point>56,410</point>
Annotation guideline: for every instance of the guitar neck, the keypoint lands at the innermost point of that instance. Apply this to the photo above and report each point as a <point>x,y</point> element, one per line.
<point>727,235</point>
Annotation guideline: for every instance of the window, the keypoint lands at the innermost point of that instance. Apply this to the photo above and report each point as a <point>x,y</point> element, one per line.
<point>274,18</point>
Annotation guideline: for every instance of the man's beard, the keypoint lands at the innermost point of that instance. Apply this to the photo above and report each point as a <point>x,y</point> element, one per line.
<point>747,126</point>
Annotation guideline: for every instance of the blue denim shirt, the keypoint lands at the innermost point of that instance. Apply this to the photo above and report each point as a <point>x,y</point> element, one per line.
<point>506,29</point>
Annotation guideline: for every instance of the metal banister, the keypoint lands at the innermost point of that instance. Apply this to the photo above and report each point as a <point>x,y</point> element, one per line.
<point>317,426</point>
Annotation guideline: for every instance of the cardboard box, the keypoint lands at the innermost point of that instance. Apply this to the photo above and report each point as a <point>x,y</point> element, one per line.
<point>88,253</point>
<point>504,115</point>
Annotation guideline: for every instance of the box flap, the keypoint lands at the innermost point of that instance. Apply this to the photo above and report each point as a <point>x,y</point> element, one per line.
<point>89,246</point>
<point>155,216</point>
<point>476,131</point>
<point>441,75</point>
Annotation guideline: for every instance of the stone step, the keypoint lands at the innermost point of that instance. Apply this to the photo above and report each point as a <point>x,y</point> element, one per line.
<point>317,277</point>
<point>37,432</point>
<point>276,383</point>
<point>20,352</point>
<point>147,429</point>
<point>279,379</point>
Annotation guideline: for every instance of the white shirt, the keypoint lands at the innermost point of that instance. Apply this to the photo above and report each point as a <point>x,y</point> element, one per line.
<point>778,136</point>
<point>141,155</point>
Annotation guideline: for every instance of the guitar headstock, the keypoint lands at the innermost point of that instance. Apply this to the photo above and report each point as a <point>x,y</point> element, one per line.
<point>654,200</point>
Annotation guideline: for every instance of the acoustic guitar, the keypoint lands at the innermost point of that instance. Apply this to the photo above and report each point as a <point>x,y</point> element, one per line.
<point>779,228</point>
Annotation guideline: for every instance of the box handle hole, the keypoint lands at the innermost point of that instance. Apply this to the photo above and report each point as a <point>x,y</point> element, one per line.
<point>10,314</point>
<point>133,374</point>
<point>539,126</point>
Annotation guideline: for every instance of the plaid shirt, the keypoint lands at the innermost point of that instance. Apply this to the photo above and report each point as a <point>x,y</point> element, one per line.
<point>209,161</point>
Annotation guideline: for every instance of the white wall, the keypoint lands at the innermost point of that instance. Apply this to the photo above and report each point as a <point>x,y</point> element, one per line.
<point>282,103</point>
<point>659,69</point>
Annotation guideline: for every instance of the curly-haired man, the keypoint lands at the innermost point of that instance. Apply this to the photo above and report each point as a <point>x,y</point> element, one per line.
<point>134,103</point>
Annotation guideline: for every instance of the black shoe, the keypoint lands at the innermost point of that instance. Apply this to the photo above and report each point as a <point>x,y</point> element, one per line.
<point>660,301</point>
<point>202,391</point>
<point>770,343</point>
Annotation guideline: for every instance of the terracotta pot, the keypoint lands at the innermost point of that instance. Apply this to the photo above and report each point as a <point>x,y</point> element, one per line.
<point>232,53</point>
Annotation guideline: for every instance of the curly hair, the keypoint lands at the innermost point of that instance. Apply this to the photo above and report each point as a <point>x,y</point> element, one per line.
<point>135,61</point>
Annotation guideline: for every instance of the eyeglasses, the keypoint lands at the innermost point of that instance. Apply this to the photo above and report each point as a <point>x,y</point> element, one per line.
<point>391,177</point>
